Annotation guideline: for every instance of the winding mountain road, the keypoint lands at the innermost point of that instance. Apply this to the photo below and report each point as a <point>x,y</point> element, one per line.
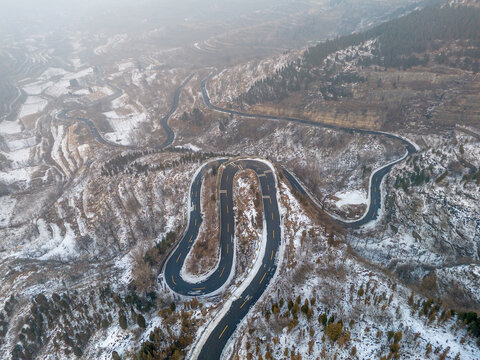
<point>215,340</point>
<point>376,178</point>
<point>212,343</point>
<point>118,92</point>
<point>375,195</point>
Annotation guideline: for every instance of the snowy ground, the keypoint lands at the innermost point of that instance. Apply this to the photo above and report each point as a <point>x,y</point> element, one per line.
<point>55,82</point>
<point>124,121</point>
<point>7,204</point>
<point>433,224</point>
<point>350,198</point>
<point>230,83</point>
<point>10,127</point>
<point>328,280</point>
<point>66,228</point>
<point>33,105</point>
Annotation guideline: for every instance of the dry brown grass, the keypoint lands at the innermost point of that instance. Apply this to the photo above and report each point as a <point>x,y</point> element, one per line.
<point>142,273</point>
<point>248,231</point>
<point>392,99</point>
<point>205,251</point>
<point>319,216</point>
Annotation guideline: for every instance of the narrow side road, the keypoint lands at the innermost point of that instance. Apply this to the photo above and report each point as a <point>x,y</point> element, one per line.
<point>117,92</point>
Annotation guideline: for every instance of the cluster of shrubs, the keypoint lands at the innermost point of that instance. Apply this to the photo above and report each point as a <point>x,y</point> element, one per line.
<point>394,339</point>
<point>336,85</point>
<point>154,254</point>
<point>47,315</point>
<point>287,313</point>
<point>472,321</point>
<point>416,178</point>
<point>433,310</point>
<point>474,176</point>
<point>195,117</point>
<point>412,179</point>
<point>126,164</point>
<point>119,161</point>
<point>4,316</point>
<point>293,77</point>
<point>466,59</point>
<point>68,321</point>
<point>161,345</point>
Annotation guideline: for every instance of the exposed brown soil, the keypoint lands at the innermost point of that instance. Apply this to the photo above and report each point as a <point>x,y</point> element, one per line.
<point>248,217</point>
<point>248,224</point>
<point>205,251</point>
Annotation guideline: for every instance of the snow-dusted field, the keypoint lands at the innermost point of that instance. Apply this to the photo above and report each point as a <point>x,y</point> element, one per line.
<point>54,82</point>
<point>7,204</point>
<point>351,198</point>
<point>112,43</point>
<point>10,127</point>
<point>33,105</point>
<point>124,122</point>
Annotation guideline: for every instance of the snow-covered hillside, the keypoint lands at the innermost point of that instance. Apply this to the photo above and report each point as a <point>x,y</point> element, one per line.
<point>327,303</point>
<point>431,226</point>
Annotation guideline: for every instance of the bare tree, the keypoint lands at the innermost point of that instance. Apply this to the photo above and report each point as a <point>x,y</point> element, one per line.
<point>142,273</point>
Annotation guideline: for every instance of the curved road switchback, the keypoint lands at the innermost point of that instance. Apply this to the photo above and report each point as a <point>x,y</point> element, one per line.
<point>118,92</point>
<point>375,195</point>
<point>218,337</point>
<point>213,342</point>
<point>376,178</point>
<point>176,99</point>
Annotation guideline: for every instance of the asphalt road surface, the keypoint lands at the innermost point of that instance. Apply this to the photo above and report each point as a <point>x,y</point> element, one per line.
<point>218,338</point>
<point>216,341</point>
<point>214,345</point>
<point>176,98</point>
<point>117,92</point>
<point>376,179</point>
<point>375,196</point>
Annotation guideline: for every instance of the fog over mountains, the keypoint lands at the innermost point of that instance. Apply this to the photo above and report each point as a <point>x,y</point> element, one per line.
<point>240,179</point>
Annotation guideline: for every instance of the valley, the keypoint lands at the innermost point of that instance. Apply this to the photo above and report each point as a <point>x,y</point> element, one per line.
<point>289,180</point>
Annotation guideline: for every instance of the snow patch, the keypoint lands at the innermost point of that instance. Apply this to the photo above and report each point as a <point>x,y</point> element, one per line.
<point>7,204</point>
<point>125,66</point>
<point>33,105</point>
<point>355,197</point>
<point>65,247</point>
<point>81,92</point>
<point>123,123</point>
<point>189,146</point>
<point>10,127</point>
